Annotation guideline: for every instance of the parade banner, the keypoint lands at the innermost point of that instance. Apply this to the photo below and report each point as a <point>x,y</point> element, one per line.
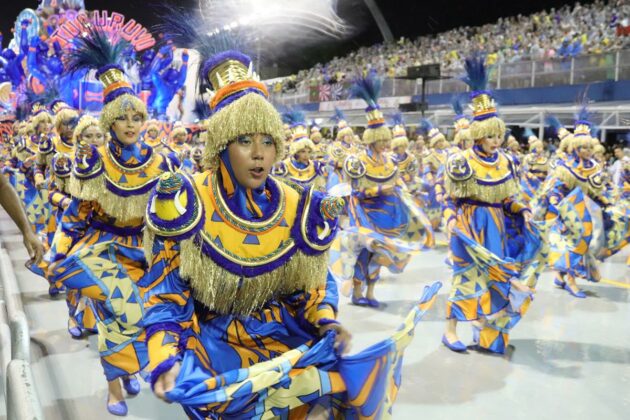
<point>114,23</point>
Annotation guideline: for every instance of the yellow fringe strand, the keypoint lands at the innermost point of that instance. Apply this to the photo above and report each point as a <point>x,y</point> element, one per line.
<point>226,293</point>
<point>124,209</point>
<point>487,128</point>
<point>250,114</point>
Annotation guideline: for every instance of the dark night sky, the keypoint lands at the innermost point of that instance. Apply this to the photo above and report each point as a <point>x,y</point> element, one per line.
<point>408,18</point>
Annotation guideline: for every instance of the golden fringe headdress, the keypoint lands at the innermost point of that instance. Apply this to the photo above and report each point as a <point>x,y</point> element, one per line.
<point>301,144</point>
<point>239,103</point>
<point>486,122</point>
<point>369,88</point>
<point>315,134</point>
<point>399,133</point>
<point>461,123</point>
<point>85,122</point>
<point>151,125</point>
<point>536,145</point>
<point>177,130</point>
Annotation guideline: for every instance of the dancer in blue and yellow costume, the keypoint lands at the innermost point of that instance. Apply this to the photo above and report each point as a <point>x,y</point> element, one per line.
<point>321,148</point>
<point>534,171</point>
<point>461,124</point>
<point>385,225</point>
<point>564,135</point>
<point>99,248</point>
<point>43,147</point>
<point>407,162</point>
<point>585,225</point>
<point>340,149</point>
<point>81,316</point>
<point>177,142</point>
<point>493,277</point>
<point>240,311</point>
<point>59,141</point>
<point>299,167</point>
<point>433,172</point>
<point>152,135</point>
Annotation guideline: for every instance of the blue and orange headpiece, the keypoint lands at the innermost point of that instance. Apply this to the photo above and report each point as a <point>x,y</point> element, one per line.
<point>239,104</point>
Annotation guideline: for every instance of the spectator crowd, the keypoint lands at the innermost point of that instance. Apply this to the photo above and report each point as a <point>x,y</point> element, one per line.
<point>555,34</point>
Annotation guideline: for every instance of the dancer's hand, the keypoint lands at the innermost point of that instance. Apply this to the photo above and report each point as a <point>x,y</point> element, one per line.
<point>166,382</point>
<point>33,246</point>
<point>527,215</point>
<point>343,338</point>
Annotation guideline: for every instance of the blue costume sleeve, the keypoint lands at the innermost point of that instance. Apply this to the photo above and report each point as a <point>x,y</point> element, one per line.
<point>316,305</point>
<point>74,222</point>
<point>168,306</point>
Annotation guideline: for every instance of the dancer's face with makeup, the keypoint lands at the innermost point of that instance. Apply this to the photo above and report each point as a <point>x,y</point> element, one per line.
<point>490,145</point>
<point>127,126</point>
<point>252,157</point>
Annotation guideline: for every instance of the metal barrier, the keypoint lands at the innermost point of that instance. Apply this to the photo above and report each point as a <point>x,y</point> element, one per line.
<point>521,74</point>
<point>21,395</point>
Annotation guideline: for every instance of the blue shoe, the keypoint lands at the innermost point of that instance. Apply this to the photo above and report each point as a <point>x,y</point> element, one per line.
<point>131,385</point>
<point>457,346</point>
<point>118,409</point>
<point>360,301</point>
<point>579,294</point>
<point>75,332</point>
<point>559,282</point>
<point>54,291</point>
<point>373,303</point>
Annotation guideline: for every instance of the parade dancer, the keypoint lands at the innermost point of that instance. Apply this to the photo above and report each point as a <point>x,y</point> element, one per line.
<point>385,224</point>
<point>585,223</point>
<point>238,285</point>
<point>493,278</point>
<point>99,248</point>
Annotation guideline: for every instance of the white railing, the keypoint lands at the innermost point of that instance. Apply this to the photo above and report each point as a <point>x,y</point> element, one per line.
<point>522,74</point>
<point>20,393</point>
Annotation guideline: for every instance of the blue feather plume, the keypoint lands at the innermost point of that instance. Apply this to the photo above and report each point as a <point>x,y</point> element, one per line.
<point>583,114</point>
<point>424,127</point>
<point>367,88</point>
<point>476,76</point>
<point>554,123</point>
<point>527,133</point>
<point>202,109</point>
<point>294,117</point>
<point>337,116</point>
<point>95,50</point>
<point>457,103</point>
<point>396,119</point>
<point>595,131</point>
